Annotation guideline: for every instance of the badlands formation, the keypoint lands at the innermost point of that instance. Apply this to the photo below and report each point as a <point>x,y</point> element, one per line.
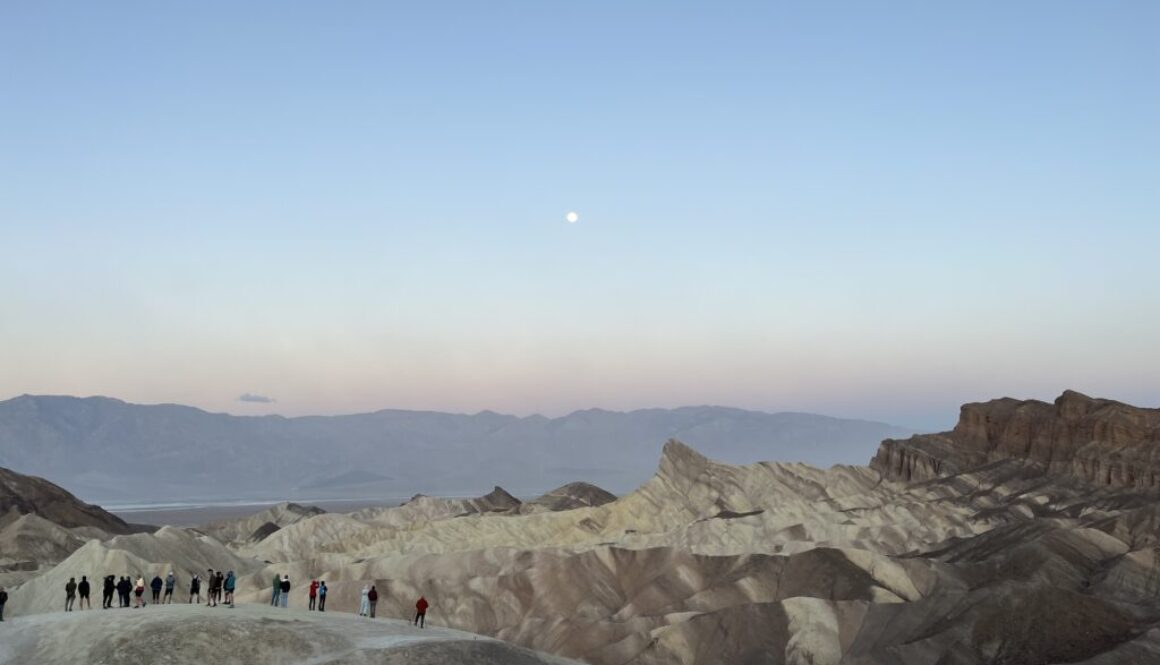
<point>1028,534</point>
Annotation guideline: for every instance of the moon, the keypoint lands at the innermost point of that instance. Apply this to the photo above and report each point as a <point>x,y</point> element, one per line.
<point>572,218</point>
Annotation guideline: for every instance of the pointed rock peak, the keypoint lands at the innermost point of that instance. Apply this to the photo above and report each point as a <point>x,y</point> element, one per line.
<point>677,451</point>
<point>1072,404</point>
<point>500,496</point>
<point>679,462</point>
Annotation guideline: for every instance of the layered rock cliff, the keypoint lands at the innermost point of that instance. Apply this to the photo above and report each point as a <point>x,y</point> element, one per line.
<point>1097,441</point>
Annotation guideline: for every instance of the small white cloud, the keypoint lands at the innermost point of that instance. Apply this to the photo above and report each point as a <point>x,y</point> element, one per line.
<point>257,399</point>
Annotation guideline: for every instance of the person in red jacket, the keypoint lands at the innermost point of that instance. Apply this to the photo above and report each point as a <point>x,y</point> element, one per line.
<point>313,593</point>
<point>421,612</point>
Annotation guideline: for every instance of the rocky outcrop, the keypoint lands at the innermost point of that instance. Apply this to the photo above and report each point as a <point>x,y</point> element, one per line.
<point>22,495</point>
<point>572,496</point>
<point>255,527</point>
<point>1100,442</point>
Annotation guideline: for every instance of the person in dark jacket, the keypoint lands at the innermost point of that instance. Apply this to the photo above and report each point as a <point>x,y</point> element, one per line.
<point>195,590</point>
<point>83,590</point>
<point>124,588</point>
<point>285,590</point>
<point>70,594</point>
<point>322,596</point>
<point>170,582</point>
<point>156,585</point>
<point>107,592</point>
<point>421,612</point>
<point>3,601</point>
<point>373,597</point>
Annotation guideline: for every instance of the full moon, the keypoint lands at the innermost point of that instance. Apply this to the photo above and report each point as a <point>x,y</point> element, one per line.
<point>572,217</point>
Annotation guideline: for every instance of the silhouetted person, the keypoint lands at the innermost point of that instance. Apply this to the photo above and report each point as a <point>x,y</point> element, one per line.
<point>373,599</point>
<point>3,601</point>
<point>421,612</point>
<point>313,594</point>
<point>219,582</point>
<point>277,591</point>
<point>170,582</point>
<point>322,596</point>
<point>285,590</point>
<point>124,587</point>
<point>83,590</point>
<point>195,590</point>
<point>107,592</point>
<point>70,594</point>
<point>156,585</point>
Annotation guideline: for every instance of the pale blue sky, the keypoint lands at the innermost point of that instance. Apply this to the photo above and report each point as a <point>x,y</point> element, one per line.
<point>865,209</point>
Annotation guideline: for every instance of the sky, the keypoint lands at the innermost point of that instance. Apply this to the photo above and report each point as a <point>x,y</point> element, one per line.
<point>865,209</point>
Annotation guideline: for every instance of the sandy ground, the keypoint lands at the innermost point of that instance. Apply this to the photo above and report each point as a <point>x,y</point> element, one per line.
<point>247,634</point>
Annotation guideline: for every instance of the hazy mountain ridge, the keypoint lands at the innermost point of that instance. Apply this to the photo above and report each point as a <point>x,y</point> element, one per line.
<point>109,449</point>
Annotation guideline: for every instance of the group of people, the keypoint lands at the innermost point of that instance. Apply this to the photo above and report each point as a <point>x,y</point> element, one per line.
<point>281,595</point>
<point>132,594</point>
<point>316,595</point>
<point>219,588</point>
<point>72,589</point>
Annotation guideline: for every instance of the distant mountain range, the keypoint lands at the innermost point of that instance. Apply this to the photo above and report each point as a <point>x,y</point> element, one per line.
<point>109,450</point>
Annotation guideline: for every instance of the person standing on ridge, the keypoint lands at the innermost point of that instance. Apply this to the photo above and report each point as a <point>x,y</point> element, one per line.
<point>277,591</point>
<point>3,600</point>
<point>322,596</point>
<point>123,589</point>
<point>139,592</point>
<point>313,594</point>
<point>170,582</point>
<point>285,590</point>
<point>373,598</point>
<point>228,585</point>
<point>156,585</point>
<point>83,590</point>
<point>209,578</point>
<point>107,592</point>
<point>70,594</point>
<point>364,605</point>
<point>195,590</point>
<point>421,612</point>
